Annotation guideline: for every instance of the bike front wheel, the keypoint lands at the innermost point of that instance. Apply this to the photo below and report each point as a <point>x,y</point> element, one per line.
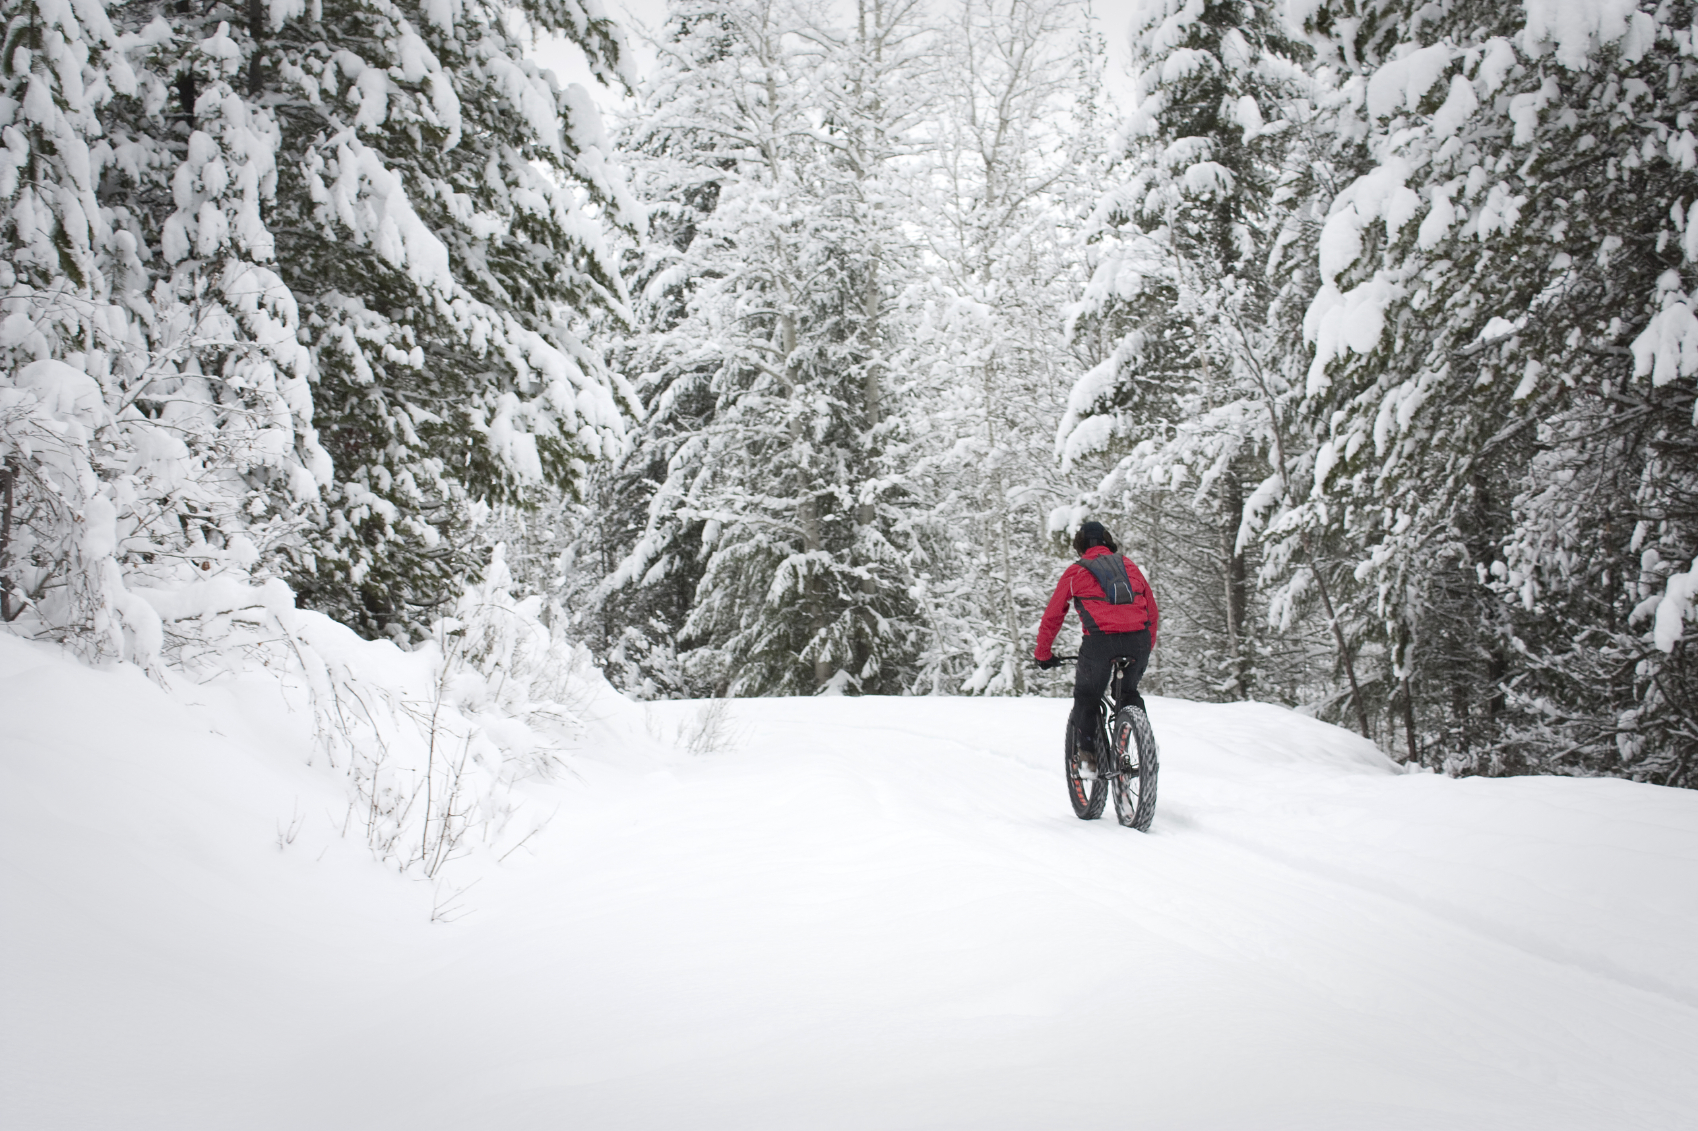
<point>1135,765</point>
<point>1086,789</point>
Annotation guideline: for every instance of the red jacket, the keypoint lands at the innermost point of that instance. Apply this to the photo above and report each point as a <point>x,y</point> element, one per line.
<point>1095,613</point>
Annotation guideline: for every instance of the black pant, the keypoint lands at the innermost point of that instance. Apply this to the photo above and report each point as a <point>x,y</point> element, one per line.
<point>1097,653</point>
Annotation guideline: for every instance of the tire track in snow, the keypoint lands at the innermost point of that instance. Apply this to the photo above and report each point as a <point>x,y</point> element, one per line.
<point>1460,917</point>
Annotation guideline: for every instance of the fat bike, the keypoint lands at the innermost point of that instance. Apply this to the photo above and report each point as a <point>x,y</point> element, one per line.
<point>1127,770</point>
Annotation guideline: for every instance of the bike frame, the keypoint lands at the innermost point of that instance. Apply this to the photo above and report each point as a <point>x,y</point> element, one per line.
<point>1108,706</point>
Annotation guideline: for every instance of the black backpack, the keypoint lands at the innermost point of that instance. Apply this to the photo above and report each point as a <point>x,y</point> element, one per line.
<point>1110,572</point>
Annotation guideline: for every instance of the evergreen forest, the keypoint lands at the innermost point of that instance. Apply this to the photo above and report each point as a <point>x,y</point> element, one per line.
<point>793,367</point>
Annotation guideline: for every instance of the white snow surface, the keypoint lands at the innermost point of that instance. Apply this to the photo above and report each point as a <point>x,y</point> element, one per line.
<point>856,913</point>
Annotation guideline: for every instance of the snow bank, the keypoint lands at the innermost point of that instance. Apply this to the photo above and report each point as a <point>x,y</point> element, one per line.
<point>430,742</point>
<point>838,913</point>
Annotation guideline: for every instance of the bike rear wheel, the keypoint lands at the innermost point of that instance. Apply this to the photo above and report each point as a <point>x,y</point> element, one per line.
<point>1087,791</point>
<point>1136,762</point>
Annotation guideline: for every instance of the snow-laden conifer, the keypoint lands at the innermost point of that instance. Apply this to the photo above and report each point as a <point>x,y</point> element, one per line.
<point>767,142</point>
<point>157,411</point>
<point>441,221</point>
<point>1503,371</point>
<point>1187,316</point>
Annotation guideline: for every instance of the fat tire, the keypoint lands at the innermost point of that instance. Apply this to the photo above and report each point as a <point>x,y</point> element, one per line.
<point>1089,797</point>
<point>1135,791</point>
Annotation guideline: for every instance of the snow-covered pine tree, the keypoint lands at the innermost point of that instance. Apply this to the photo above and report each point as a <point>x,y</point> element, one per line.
<point>638,553</point>
<point>871,92</point>
<point>632,616</point>
<point>1504,346</point>
<point>156,419</point>
<point>440,218</point>
<point>769,285</point>
<point>1184,316</point>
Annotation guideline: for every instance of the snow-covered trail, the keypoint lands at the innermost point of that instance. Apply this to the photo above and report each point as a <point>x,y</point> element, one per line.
<point>865,914</point>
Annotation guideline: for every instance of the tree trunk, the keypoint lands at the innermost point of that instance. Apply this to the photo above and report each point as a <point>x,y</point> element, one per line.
<point>866,510</point>
<point>1236,582</point>
<point>1005,557</point>
<point>1343,645</point>
<point>256,31</point>
<point>8,476</point>
<point>1409,722</point>
<point>808,514</point>
<point>814,600</point>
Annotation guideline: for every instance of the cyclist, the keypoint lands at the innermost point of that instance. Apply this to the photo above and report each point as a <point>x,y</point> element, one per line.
<point>1117,612</point>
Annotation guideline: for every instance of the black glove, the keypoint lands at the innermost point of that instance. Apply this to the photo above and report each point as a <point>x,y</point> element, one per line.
<point>1049,663</point>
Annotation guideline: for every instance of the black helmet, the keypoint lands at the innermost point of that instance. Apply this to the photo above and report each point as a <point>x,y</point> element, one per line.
<point>1093,533</point>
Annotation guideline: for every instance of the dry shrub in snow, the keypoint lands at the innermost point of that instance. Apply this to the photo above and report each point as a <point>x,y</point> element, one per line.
<point>712,731</point>
<point>432,740</point>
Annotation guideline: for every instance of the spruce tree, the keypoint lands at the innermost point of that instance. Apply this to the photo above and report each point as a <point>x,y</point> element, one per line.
<point>1187,310</point>
<point>768,301</point>
<point>157,418</point>
<point>440,219</point>
<point>1502,377</point>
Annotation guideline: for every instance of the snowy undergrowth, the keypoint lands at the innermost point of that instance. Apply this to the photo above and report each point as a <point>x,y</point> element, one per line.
<point>431,741</point>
